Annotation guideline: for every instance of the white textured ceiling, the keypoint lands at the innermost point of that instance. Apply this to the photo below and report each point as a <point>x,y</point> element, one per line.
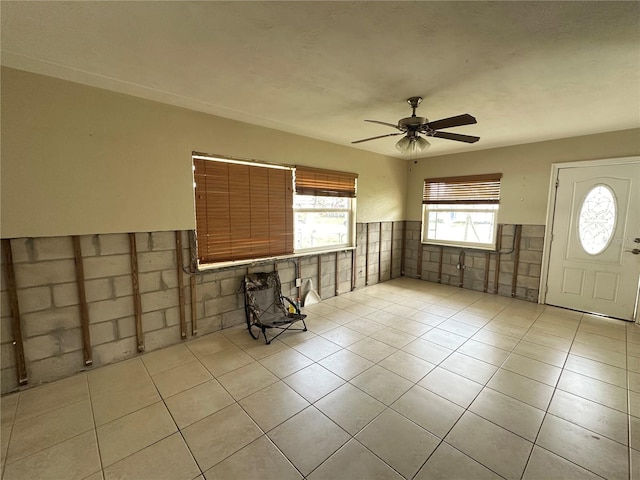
<point>528,71</point>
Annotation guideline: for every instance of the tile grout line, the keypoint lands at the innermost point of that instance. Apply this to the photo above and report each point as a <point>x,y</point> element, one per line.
<point>387,407</point>
<point>237,402</point>
<point>13,423</point>
<point>127,414</point>
<point>626,365</point>
<point>6,463</point>
<point>352,437</point>
<point>179,430</point>
<point>466,409</point>
<point>485,386</point>
<point>546,413</point>
<point>95,427</point>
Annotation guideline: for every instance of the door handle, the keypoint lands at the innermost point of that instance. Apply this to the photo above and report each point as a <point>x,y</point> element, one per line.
<point>635,251</point>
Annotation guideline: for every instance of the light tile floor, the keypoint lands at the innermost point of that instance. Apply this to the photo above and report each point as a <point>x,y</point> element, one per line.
<point>404,379</point>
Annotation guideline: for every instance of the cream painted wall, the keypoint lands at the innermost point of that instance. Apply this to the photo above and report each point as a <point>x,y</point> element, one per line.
<point>526,171</point>
<point>81,160</point>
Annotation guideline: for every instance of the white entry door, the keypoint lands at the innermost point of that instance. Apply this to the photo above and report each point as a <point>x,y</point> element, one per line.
<point>594,258</point>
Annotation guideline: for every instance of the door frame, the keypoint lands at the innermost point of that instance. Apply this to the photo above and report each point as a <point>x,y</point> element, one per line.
<point>551,210</point>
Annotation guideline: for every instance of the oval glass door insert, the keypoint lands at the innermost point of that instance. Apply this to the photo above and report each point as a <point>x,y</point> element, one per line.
<point>597,219</point>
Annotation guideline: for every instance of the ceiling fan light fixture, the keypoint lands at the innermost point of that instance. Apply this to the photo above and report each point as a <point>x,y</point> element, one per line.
<point>412,144</point>
<point>421,143</point>
<point>403,144</point>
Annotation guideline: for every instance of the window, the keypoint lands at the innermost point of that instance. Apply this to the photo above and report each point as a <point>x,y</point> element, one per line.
<point>323,206</point>
<point>243,210</point>
<point>597,219</point>
<point>461,211</point>
<point>247,210</point>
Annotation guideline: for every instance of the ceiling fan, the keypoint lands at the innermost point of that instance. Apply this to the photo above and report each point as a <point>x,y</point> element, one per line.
<point>413,126</point>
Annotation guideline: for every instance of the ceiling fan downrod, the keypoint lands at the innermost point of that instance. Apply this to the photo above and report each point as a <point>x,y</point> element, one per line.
<point>414,102</point>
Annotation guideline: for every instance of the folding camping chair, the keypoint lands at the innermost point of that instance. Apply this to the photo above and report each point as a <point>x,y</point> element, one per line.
<point>265,306</point>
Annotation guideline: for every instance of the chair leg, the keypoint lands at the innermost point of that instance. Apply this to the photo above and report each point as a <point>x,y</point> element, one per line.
<point>264,332</point>
<point>249,327</point>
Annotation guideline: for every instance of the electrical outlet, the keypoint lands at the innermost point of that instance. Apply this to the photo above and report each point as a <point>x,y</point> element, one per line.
<point>298,282</point>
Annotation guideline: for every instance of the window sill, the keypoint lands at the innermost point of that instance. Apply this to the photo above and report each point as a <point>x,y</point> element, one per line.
<point>209,267</point>
<point>484,248</point>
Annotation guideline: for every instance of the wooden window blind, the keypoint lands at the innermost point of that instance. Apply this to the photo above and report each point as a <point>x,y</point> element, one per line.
<point>242,211</point>
<point>325,183</point>
<point>472,189</point>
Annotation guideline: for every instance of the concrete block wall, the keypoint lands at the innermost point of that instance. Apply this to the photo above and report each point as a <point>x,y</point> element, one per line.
<point>381,258</point>
<point>412,244</point>
<point>47,290</point>
<point>50,320</point>
<point>529,264</point>
<point>48,299</point>
<point>8,375</point>
<point>474,262</point>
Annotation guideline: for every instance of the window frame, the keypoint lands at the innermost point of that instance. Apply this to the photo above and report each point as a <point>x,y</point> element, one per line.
<point>323,182</point>
<point>351,226</point>
<point>234,239</point>
<point>316,182</point>
<point>472,191</point>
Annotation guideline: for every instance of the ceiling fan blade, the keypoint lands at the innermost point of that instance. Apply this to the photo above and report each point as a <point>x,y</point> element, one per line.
<point>379,136</point>
<point>383,123</point>
<point>456,121</point>
<point>456,136</point>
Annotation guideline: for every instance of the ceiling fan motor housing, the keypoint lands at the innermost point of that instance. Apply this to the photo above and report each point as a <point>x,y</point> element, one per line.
<point>410,123</point>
